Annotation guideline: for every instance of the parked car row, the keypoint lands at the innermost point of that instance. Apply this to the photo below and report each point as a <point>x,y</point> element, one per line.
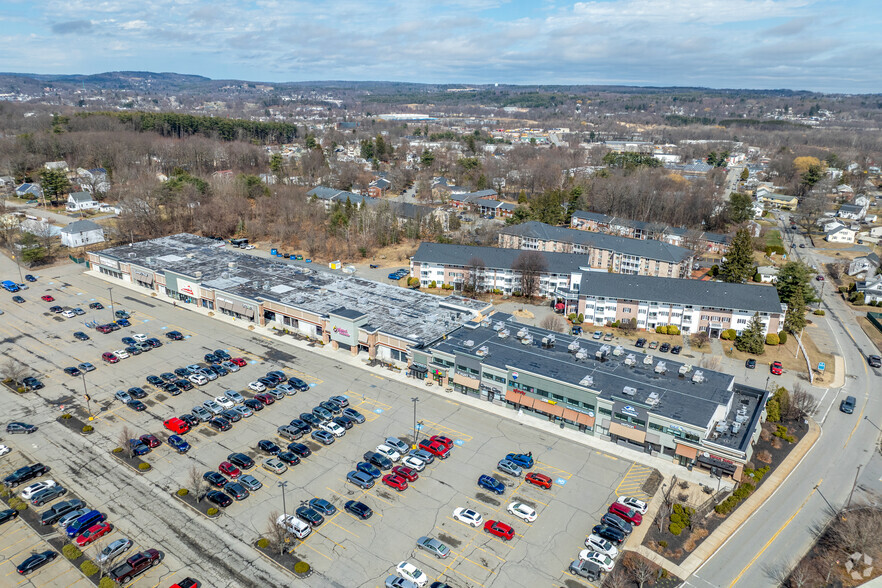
<point>601,546</point>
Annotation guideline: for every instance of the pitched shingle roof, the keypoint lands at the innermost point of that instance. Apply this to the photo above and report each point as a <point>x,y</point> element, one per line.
<point>81,226</point>
<point>494,257</point>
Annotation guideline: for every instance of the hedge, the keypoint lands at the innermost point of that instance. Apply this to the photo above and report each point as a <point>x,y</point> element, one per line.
<point>732,501</point>
<point>772,339</point>
<point>263,543</point>
<point>212,511</point>
<point>781,433</point>
<point>782,337</point>
<point>673,330</point>
<point>301,567</point>
<point>66,416</point>
<point>757,475</point>
<point>71,552</point>
<point>433,284</point>
<point>143,466</point>
<point>88,428</point>
<point>819,312</point>
<point>107,583</point>
<point>729,335</point>
<point>183,492</point>
<point>117,450</point>
<point>89,568</point>
<point>675,529</point>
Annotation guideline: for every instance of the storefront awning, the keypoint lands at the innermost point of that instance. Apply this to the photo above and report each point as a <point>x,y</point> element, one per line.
<point>549,409</point>
<point>585,419</point>
<point>686,451</point>
<point>418,369</point>
<point>712,462</point>
<point>627,432</point>
<point>527,401</point>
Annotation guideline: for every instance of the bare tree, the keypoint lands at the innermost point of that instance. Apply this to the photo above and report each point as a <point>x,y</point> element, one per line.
<point>474,271</point>
<point>276,533</point>
<point>196,482</point>
<point>700,338</point>
<point>710,362</point>
<point>811,209</point>
<point>553,322</point>
<point>531,265</point>
<point>617,579</point>
<point>14,370</point>
<point>125,441</point>
<point>802,403</point>
<point>664,511</point>
<point>640,569</point>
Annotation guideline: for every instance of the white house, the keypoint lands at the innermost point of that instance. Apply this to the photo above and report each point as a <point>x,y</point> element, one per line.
<point>768,274</point>
<point>876,232</point>
<point>872,289</point>
<point>82,232</point>
<point>841,235</point>
<point>853,211</point>
<point>80,201</point>
<point>867,263</point>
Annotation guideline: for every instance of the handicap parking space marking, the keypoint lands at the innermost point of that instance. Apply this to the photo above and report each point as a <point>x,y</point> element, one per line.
<point>458,442</point>
<point>378,410</point>
<point>560,481</point>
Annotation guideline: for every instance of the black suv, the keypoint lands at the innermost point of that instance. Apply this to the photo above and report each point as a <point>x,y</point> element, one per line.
<point>174,335</point>
<point>241,460</point>
<point>641,342</point>
<point>22,475</point>
<point>32,383</point>
<point>375,459</point>
<point>874,361</point>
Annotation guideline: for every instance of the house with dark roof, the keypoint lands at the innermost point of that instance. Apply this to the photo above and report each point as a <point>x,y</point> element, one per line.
<point>469,200</point>
<point>679,236</point>
<point>82,232</point>
<point>77,201</point>
<point>331,196</point>
<point>379,187</point>
<point>692,305</point>
<point>852,211</point>
<point>605,252</point>
<point>865,264</point>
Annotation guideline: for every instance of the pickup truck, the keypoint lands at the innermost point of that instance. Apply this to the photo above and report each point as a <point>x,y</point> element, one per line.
<point>135,565</point>
<point>22,475</point>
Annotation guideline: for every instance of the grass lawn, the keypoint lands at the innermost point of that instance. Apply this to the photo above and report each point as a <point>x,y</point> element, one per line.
<point>871,331</point>
<point>786,355</point>
<point>773,238</point>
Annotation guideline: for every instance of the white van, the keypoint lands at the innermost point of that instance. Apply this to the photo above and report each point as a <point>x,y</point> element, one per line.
<point>295,526</point>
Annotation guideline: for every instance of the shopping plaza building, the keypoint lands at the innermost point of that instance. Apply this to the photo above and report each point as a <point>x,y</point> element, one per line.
<point>698,417</point>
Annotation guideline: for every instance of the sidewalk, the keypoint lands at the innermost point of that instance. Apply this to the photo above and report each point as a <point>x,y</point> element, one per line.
<point>722,533</point>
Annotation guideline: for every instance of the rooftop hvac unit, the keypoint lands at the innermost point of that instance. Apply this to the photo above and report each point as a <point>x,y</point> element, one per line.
<point>395,311</point>
<point>528,340</point>
<point>587,381</point>
<point>602,354</point>
<point>523,333</point>
<point>503,333</point>
<point>630,360</point>
<point>661,368</point>
<point>548,342</point>
<point>132,255</point>
<point>498,326</point>
<point>698,377</point>
<point>741,418</point>
<point>225,275</point>
<point>629,391</point>
<point>736,426</point>
<point>482,351</point>
<point>653,399</point>
<point>468,343</point>
<point>573,347</point>
<point>197,274</point>
<point>485,322</point>
<point>619,350</point>
<point>647,360</point>
<point>685,369</point>
<point>231,265</point>
<point>581,353</point>
<point>722,427</point>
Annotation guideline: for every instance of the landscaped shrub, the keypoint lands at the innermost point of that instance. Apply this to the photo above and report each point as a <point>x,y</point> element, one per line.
<point>301,567</point>
<point>21,506</point>
<point>673,330</point>
<point>675,529</point>
<point>89,568</point>
<point>661,330</point>
<point>732,501</point>
<point>757,475</point>
<point>117,450</point>
<point>782,337</point>
<point>66,416</point>
<point>580,319</point>
<point>662,543</point>
<point>781,433</point>
<point>143,466</point>
<point>772,339</point>
<point>106,583</point>
<point>71,552</point>
<point>88,429</point>
<point>677,519</point>
<point>183,492</point>
<point>773,411</point>
<point>728,335</point>
<point>263,543</point>
<point>211,511</point>
<point>433,284</point>
<point>819,312</point>
<point>4,493</point>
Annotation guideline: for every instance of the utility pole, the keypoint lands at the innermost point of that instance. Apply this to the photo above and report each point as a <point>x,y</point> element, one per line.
<point>415,399</point>
<point>850,494</point>
<point>112,316</point>
<point>86,395</point>
<point>283,485</point>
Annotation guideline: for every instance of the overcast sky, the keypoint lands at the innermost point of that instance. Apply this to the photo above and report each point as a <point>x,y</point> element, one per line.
<point>825,45</point>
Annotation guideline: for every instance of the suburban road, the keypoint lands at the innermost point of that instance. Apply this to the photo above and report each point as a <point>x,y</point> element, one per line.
<point>781,531</point>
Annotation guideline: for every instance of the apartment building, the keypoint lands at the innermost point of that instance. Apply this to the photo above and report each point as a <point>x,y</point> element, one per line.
<point>605,252</point>
<point>695,240</point>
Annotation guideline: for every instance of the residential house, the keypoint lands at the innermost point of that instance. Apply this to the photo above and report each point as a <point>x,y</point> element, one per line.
<point>768,274</point>
<point>866,264</point>
<point>871,288</point>
<point>93,180</point>
<point>424,215</point>
<point>841,234</point>
<point>491,208</point>
<point>57,166</point>
<point>605,252</point>
<point>331,196</point>
<point>845,190</point>
<point>468,200</point>
<point>379,187</point>
<point>773,200</point>
<point>28,189</point>
<point>82,232</point>
<point>444,188</point>
<point>80,201</point>
<point>696,168</point>
<point>7,183</point>
<point>876,232</point>
<point>853,211</point>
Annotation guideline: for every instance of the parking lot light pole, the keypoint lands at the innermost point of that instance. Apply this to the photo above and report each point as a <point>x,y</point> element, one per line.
<point>86,395</point>
<point>415,399</point>
<point>283,485</point>
<point>112,316</point>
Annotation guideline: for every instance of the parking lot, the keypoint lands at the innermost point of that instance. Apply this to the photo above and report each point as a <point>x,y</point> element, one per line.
<point>344,551</point>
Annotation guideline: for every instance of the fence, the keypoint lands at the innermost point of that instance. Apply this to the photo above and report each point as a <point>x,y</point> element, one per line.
<point>876,319</point>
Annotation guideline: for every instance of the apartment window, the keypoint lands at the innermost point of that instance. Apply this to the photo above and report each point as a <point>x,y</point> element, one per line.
<point>740,321</point>
<point>705,317</point>
<point>604,411</point>
<point>626,309</point>
<point>557,397</point>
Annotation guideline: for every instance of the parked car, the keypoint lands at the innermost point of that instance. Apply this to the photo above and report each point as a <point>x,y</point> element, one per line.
<point>586,569</point>
<point>134,566</point>
<point>268,447</point>
<point>641,342</point>
<point>605,562</point>
<point>80,336</point>
<point>353,414</point>
<point>178,444</point>
<point>750,363</point>
<point>381,461</point>
<point>611,534</point>
<point>492,484</point>
<point>676,349</point>
<point>48,495</point>
<point>626,512</point>
<point>617,522</point>
<point>509,467</point>
<point>250,482</point>
<point>113,550</point>
<point>848,404</point>
<point>240,460</point>
<point>53,515</point>
<point>395,481</point>
<point>525,460</point>
<point>25,474</point>
<point>359,509</point>
<point>219,498</point>
<point>360,479</point>
<point>322,437</point>
<point>664,348</point>
<point>16,428</point>
<point>36,561</point>
<point>777,368</point>
<point>288,458</point>
<point>299,449</point>
<point>522,511</point>
<point>499,529</point>
<point>274,465</point>
<point>601,545</point>
<point>634,503</point>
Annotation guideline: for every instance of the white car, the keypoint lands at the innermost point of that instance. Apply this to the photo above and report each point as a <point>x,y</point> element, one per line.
<point>332,428</point>
<point>257,386</point>
<point>4,450</point>
<point>604,561</point>
<point>28,492</point>
<point>121,353</point>
<point>140,337</point>
<point>408,571</point>
<point>68,314</point>
<point>234,396</point>
<point>387,451</point>
<point>213,407</point>
<point>248,247</point>
<point>197,379</point>
<point>414,463</point>
<point>468,516</point>
<point>601,545</point>
<point>632,502</point>
<point>522,511</point>
<point>224,401</point>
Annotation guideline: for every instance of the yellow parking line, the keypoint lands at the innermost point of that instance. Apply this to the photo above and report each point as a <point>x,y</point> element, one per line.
<point>606,455</point>
<point>25,538</point>
<point>303,543</point>
<point>63,571</point>
<point>447,430</point>
<point>457,572</point>
<point>343,528</point>
<point>549,468</point>
<point>502,559</point>
<point>479,564</point>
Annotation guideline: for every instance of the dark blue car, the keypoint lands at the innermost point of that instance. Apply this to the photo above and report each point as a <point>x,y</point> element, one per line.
<point>373,471</point>
<point>525,460</point>
<point>139,448</point>
<point>178,444</point>
<point>492,484</point>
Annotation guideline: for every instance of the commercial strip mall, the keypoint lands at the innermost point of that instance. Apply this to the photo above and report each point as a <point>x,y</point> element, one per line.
<point>698,417</point>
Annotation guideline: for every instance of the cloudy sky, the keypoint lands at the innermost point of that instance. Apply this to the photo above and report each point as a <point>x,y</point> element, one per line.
<point>826,45</point>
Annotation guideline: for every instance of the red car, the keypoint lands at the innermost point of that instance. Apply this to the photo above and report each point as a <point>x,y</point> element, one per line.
<point>94,532</point>
<point>264,398</point>
<point>777,368</point>
<point>405,472</point>
<point>109,357</point>
<point>104,329</point>
<point>395,481</point>
<point>239,361</point>
<point>436,448</point>
<point>150,441</point>
<point>229,469</point>
<point>176,425</point>
<point>47,298</point>
<point>540,480</point>
<point>499,529</point>
<point>626,512</point>
<point>442,439</point>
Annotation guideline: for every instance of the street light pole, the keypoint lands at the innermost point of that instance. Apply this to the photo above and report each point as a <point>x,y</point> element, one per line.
<point>18,265</point>
<point>86,395</point>
<point>415,399</point>
<point>112,316</point>
<point>283,485</point>
<point>850,494</point>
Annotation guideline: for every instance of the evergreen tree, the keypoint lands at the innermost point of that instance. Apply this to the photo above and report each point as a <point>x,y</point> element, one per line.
<point>745,173</point>
<point>740,207</point>
<point>752,339</point>
<point>54,183</point>
<point>795,276</point>
<point>738,266</point>
<point>427,158</point>
<point>794,320</point>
